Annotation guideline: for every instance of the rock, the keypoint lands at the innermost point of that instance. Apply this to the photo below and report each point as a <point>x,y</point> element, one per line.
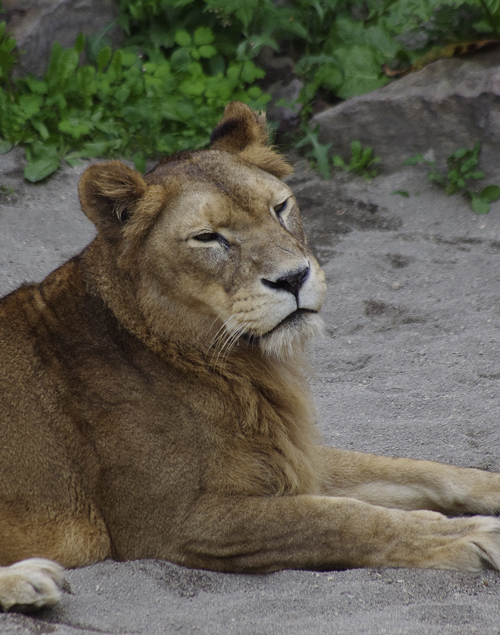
<point>36,24</point>
<point>449,104</point>
<point>277,67</point>
<point>288,92</point>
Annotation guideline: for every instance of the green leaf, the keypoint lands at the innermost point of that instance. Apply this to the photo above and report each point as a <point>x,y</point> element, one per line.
<point>116,65</point>
<point>478,205</point>
<point>103,58</point>
<point>40,168</point>
<point>52,73</point>
<point>250,72</point>
<point>128,59</point>
<point>490,193</point>
<point>319,151</point>
<point>180,59</point>
<point>320,155</point>
<point>36,86</point>
<point>42,129</point>
<point>338,161</point>
<point>413,160</point>
<point>123,93</point>
<point>6,63</point>
<point>62,66</point>
<point>258,41</point>
<point>217,65</point>
<point>72,159</point>
<point>246,11</point>
<point>80,44</point>
<point>140,162</point>
<point>86,83</point>
<point>202,35</point>
<point>254,92</point>
<point>356,149</point>
<point>402,193</point>
<point>207,51</point>
<point>436,176</point>
<point>5,146</point>
<point>182,38</point>
<point>362,70</point>
<point>461,152</point>
<point>74,127</point>
<point>30,105</point>
<point>493,5</point>
<point>94,150</point>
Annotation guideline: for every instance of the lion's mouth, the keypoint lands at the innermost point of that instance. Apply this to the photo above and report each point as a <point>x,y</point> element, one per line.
<point>295,316</point>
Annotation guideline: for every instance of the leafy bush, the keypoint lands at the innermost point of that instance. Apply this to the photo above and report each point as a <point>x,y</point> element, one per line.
<point>124,106</point>
<point>185,59</point>
<point>341,47</point>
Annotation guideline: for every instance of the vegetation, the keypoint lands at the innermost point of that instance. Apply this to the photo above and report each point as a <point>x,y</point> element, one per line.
<point>360,161</point>
<point>123,105</point>
<point>184,59</point>
<point>462,168</point>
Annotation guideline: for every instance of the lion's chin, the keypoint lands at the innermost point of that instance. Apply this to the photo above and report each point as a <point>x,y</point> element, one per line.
<point>290,335</point>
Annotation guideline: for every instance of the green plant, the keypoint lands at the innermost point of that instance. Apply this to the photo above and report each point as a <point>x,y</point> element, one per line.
<point>241,29</point>
<point>317,152</point>
<point>402,193</point>
<point>461,168</point>
<point>340,47</point>
<point>184,59</point>
<point>7,57</point>
<point>360,161</point>
<point>5,190</point>
<point>125,106</point>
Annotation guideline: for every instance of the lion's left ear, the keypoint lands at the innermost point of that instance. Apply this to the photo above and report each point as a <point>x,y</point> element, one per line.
<point>244,132</point>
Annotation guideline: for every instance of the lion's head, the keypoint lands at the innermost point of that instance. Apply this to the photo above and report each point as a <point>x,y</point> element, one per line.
<point>208,246</point>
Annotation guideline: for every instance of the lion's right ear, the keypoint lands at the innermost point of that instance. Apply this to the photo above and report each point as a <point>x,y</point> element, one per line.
<point>109,193</point>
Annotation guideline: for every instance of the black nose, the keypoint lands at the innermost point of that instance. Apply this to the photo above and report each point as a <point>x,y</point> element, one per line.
<point>291,282</point>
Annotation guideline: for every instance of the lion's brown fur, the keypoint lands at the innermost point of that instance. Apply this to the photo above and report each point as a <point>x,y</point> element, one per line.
<point>154,402</point>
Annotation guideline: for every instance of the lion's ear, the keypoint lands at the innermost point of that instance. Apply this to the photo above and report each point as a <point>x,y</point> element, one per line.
<point>109,193</point>
<point>244,132</point>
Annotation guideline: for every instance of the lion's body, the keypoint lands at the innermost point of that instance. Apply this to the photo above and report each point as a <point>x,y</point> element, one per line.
<point>153,399</point>
<point>184,430</point>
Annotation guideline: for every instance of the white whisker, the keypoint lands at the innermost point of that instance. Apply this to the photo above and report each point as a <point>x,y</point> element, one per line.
<point>221,339</point>
<point>226,338</point>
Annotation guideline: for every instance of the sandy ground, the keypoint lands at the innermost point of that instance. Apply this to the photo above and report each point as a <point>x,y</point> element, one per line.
<point>410,367</point>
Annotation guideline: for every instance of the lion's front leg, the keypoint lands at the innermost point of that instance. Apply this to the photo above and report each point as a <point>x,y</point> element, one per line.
<point>260,534</point>
<point>409,484</point>
<point>31,584</point>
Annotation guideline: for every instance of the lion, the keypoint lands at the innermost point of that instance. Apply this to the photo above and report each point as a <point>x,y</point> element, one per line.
<point>154,401</point>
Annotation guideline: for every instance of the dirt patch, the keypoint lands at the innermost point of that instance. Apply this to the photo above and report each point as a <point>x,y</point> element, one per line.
<point>328,214</point>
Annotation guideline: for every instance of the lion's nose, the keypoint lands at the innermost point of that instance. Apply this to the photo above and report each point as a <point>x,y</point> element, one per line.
<point>291,282</point>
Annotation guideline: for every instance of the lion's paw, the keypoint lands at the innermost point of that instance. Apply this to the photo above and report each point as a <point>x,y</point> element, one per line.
<point>475,546</point>
<point>486,542</point>
<point>31,584</point>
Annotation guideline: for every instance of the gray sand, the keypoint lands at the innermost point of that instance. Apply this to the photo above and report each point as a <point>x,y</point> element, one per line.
<point>410,367</point>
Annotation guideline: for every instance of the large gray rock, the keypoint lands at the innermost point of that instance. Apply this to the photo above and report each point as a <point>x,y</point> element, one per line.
<point>37,24</point>
<point>449,104</point>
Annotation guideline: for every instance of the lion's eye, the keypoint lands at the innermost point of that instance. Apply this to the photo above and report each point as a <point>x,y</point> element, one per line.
<point>212,237</point>
<point>281,207</point>
<point>206,237</point>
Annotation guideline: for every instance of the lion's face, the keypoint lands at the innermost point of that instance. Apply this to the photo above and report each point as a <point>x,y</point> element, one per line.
<point>222,256</point>
<point>233,251</point>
